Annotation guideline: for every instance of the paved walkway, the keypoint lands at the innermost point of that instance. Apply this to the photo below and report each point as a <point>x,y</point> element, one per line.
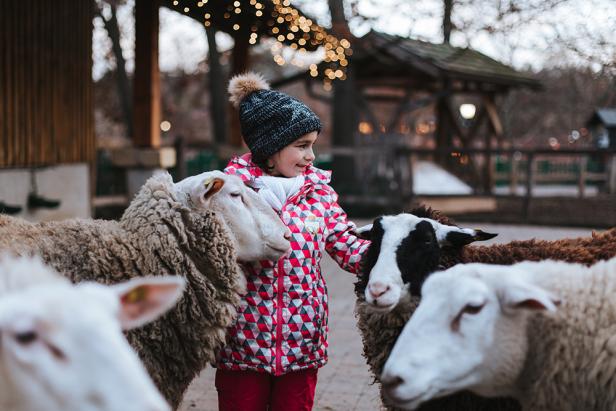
<point>345,383</point>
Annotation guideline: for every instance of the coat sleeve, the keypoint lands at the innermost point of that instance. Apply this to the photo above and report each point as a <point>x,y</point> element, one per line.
<point>343,246</point>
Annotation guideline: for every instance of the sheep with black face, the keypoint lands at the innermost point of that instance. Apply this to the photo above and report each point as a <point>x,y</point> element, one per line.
<point>405,249</point>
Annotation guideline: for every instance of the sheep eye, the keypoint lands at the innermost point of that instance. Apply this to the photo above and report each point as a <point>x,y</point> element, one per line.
<point>26,337</point>
<point>235,194</point>
<point>472,309</point>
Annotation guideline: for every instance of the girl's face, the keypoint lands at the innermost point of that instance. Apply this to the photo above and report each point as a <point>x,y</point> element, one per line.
<point>292,160</point>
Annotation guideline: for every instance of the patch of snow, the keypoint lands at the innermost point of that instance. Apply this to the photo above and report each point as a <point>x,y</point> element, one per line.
<point>429,178</point>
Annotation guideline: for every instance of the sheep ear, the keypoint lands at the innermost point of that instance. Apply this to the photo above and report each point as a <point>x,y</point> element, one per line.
<point>364,232</point>
<point>212,186</point>
<point>527,296</point>
<point>459,237</point>
<point>142,300</point>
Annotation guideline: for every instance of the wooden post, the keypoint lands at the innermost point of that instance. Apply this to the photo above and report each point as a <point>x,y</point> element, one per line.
<point>496,127</point>
<point>240,65</point>
<point>146,89</point>
<point>217,86</point>
<point>180,158</point>
<point>443,128</point>
<point>530,169</point>
<point>611,174</point>
<point>582,176</point>
<point>513,176</point>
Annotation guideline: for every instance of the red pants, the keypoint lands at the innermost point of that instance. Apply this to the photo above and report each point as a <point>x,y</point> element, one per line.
<point>255,391</point>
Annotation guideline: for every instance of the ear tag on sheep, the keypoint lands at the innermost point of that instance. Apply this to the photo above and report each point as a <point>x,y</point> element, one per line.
<point>212,186</point>
<point>144,299</point>
<point>136,295</point>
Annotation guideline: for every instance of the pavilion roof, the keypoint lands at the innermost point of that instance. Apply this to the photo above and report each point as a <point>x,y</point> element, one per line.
<point>606,116</point>
<point>384,58</point>
<point>435,60</point>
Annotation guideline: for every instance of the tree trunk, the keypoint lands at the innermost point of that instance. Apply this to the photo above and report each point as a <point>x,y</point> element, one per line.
<point>122,83</point>
<point>344,108</point>
<point>218,97</point>
<point>448,6</point>
<point>240,63</point>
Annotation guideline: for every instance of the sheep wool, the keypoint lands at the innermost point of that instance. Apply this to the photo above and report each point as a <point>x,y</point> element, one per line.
<point>380,330</point>
<point>157,235</point>
<point>570,363</point>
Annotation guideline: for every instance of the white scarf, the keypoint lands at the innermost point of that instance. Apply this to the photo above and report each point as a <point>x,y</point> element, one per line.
<point>276,190</point>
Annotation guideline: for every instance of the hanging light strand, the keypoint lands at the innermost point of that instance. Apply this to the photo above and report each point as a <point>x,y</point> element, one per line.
<point>285,24</point>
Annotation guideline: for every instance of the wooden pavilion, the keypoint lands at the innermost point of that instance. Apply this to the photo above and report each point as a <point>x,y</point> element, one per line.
<point>408,75</point>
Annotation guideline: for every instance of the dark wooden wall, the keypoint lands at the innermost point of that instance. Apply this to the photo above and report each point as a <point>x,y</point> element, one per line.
<point>46,90</point>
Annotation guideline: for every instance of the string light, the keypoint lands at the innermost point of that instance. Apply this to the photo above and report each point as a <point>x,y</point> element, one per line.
<point>285,24</point>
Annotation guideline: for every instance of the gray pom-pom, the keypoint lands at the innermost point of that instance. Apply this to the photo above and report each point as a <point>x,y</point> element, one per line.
<point>242,85</point>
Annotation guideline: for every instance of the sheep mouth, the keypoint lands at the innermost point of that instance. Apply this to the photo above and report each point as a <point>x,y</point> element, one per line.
<point>277,251</point>
<point>410,403</point>
<point>380,309</point>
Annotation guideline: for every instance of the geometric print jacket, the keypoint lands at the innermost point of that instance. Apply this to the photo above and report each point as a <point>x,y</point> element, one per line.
<point>282,319</point>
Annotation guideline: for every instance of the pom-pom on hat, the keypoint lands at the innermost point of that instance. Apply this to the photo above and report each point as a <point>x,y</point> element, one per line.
<point>270,120</point>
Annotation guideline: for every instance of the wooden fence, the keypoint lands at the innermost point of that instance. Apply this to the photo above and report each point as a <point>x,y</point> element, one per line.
<point>386,173</point>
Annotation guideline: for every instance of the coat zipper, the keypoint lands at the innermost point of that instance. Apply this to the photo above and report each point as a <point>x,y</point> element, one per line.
<point>280,296</point>
<point>278,370</point>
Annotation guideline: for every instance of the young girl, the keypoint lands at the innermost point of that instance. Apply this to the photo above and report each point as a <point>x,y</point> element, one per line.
<point>280,337</point>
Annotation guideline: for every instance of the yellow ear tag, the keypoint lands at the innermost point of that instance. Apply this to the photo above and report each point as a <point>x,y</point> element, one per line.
<point>136,295</point>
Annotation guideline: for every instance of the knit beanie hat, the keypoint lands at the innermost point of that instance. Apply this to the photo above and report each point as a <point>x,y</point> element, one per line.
<point>270,120</point>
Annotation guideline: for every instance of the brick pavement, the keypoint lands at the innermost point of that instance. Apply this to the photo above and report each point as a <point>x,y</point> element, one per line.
<point>345,383</point>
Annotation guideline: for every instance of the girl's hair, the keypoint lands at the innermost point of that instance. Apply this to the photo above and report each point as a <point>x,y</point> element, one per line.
<point>262,163</point>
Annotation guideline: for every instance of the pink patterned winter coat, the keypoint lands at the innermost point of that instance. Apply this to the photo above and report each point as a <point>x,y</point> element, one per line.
<point>282,320</point>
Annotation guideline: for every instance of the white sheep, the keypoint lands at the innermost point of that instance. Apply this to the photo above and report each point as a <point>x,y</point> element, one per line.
<point>198,229</point>
<point>61,346</point>
<point>541,332</point>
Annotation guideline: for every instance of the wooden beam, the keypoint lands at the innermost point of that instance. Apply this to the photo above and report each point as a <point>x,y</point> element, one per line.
<point>400,110</point>
<point>495,121</point>
<point>146,89</point>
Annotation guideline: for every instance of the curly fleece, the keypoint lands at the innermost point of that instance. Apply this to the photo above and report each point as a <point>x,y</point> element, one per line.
<point>380,330</point>
<point>157,235</point>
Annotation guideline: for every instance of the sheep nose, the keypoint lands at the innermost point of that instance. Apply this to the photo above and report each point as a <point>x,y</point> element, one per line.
<point>377,289</point>
<point>287,235</point>
<point>390,382</point>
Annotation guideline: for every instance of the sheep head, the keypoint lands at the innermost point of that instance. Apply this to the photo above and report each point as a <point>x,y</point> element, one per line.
<point>61,345</point>
<point>468,333</point>
<point>255,229</point>
<point>405,249</point>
